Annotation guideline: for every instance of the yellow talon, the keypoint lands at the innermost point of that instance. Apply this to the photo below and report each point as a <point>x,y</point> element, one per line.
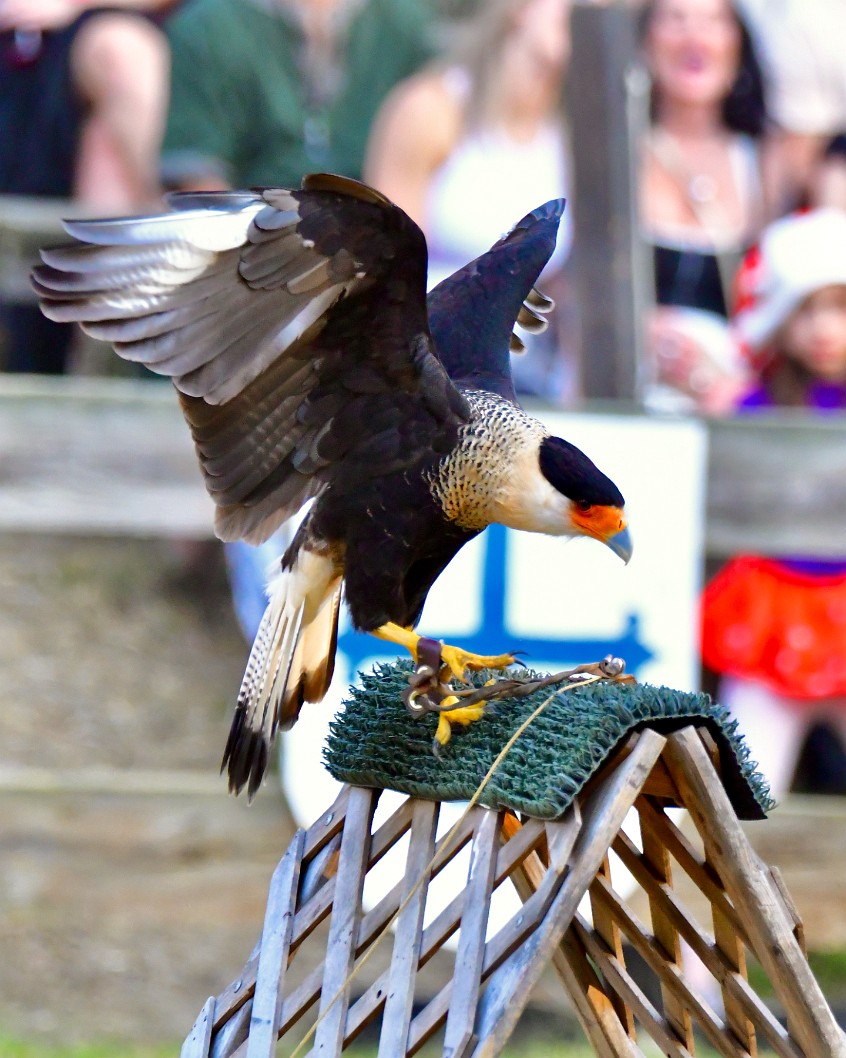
<point>465,716</point>
<point>455,659</point>
<point>458,661</point>
<point>444,731</point>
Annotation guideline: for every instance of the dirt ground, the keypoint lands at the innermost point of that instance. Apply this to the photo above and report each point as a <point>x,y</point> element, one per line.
<point>123,904</point>
<point>132,886</point>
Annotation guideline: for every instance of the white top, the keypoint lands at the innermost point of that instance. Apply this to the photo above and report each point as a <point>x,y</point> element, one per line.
<point>744,159</point>
<point>488,183</point>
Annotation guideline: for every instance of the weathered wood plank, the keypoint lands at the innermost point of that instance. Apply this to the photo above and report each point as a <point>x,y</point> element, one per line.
<point>344,923</point>
<point>98,456</point>
<point>197,1041</point>
<point>275,946</point>
<point>470,955</point>
<point>26,224</point>
<point>750,889</point>
<point>603,813</point>
<point>399,999</point>
<point>762,471</point>
<point>110,455</point>
<point>658,1028</point>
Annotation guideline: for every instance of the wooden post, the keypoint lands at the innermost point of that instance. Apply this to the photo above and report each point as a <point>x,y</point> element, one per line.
<point>606,95</point>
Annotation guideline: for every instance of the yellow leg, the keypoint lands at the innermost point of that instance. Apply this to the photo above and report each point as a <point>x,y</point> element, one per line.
<point>403,637</point>
<point>458,661</point>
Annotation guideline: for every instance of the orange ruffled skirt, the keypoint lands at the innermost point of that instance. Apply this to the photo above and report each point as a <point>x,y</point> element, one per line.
<point>762,620</point>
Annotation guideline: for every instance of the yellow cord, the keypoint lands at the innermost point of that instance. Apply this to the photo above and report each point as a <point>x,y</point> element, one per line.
<point>450,834</point>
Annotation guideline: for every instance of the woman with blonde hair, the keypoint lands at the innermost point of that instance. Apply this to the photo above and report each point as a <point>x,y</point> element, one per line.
<point>476,140</point>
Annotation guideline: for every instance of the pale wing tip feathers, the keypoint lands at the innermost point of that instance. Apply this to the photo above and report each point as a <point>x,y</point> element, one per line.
<point>210,294</point>
<point>290,663</point>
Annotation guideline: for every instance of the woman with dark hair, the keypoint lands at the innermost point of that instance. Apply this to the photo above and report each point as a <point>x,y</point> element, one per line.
<point>701,196</point>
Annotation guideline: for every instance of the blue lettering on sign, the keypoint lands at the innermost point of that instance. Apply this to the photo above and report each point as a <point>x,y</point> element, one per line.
<point>494,637</point>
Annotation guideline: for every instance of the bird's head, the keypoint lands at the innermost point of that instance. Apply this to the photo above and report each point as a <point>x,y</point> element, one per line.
<point>583,500</point>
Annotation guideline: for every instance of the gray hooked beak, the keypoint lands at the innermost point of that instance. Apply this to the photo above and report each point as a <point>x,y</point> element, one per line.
<point>621,544</point>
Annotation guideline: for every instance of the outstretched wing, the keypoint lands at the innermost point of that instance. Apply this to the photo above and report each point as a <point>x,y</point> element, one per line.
<point>472,313</point>
<point>292,322</point>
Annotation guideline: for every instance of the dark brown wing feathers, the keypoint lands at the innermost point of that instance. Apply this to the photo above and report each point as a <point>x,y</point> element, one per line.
<point>293,324</point>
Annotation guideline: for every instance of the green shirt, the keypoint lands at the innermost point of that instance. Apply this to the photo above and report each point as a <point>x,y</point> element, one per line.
<point>240,103</point>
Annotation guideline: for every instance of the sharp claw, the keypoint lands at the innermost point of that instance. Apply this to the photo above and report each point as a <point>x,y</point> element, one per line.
<point>443,734</point>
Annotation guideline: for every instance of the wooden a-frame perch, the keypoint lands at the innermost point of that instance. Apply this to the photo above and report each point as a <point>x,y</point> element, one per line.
<point>553,865</point>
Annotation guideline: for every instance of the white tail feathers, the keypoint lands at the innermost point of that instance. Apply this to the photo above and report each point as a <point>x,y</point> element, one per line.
<point>291,662</point>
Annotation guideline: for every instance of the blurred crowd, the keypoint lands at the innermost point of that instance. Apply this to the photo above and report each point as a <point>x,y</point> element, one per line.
<point>459,114</point>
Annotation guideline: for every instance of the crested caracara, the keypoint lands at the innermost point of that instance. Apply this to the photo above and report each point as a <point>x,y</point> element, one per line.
<point>310,364</point>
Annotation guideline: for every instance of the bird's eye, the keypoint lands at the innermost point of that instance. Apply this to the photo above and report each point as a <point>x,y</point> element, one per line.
<point>583,505</point>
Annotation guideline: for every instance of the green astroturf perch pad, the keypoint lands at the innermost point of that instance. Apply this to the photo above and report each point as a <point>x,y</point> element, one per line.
<point>376,742</point>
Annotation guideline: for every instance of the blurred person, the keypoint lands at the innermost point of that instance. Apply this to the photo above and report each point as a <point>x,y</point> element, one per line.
<point>701,197</point>
<point>801,42</point>
<point>477,139</point>
<point>264,91</point>
<point>775,629</point>
<point>83,92</point>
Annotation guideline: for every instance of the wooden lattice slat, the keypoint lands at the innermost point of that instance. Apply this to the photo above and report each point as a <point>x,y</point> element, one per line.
<point>470,957</point>
<point>751,891</point>
<point>318,885</point>
<point>273,957</point>
<point>409,933</point>
<point>603,813</point>
<point>343,928</point>
<point>608,930</point>
<point>703,947</point>
<point>666,934</point>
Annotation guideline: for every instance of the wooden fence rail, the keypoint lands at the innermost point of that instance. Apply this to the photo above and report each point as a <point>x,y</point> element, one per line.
<point>113,456</point>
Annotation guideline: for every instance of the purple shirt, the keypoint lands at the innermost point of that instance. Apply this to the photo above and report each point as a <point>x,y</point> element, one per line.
<point>822,396</point>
